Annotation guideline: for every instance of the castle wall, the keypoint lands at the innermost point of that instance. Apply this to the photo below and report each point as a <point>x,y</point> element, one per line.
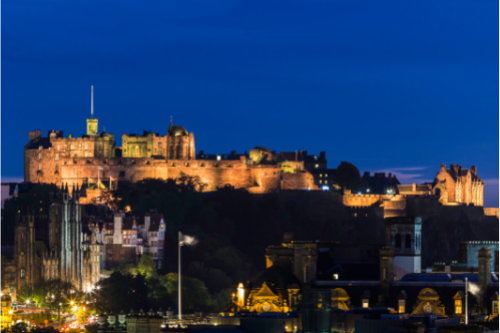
<point>491,211</point>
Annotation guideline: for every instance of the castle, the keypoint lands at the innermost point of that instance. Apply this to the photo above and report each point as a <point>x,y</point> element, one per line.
<point>57,246</point>
<point>76,161</point>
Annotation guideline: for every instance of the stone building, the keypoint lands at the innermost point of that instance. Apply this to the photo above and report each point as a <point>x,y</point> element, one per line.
<point>457,185</point>
<point>55,246</point>
<point>129,237</point>
<point>55,159</point>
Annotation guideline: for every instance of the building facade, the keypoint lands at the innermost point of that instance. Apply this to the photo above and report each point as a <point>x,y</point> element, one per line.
<point>55,246</point>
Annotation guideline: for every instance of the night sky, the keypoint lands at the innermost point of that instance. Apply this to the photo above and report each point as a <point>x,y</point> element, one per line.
<point>397,86</point>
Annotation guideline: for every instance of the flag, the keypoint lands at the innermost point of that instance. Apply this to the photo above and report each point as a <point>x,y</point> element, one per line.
<point>473,288</point>
<point>187,240</point>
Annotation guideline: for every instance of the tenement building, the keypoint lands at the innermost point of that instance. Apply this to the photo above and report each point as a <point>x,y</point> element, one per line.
<point>75,161</point>
<point>54,246</point>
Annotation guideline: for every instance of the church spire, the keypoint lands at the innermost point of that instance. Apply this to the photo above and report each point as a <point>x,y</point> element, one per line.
<point>92,101</point>
<point>92,122</point>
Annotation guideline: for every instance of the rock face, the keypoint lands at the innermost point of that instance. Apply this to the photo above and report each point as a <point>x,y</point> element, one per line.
<point>443,227</point>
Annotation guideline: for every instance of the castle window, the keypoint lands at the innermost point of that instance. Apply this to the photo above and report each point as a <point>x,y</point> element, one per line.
<point>458,306</point>
<point>57,157</point>
<point>86,146</point>
<point>398,241</point>
<point>326,175</point>
<point>335,276</point>
<point>72,146</point>
<point>355,214</point>
<point>407,242</point>
<point>365,303</point>
<point>402,306</point>
<point>40,166</point>
<point>40,156</point>
<point>58,147</point>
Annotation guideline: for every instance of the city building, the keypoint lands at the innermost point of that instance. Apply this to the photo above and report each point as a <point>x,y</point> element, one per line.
<point>55,246</point>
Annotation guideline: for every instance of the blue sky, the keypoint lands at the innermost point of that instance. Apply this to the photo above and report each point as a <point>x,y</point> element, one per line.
<point>397,86</point>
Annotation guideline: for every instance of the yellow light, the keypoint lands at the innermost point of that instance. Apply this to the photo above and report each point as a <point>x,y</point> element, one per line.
<point>10,311</point>
<point>75,308</point>
<point>71,302</point>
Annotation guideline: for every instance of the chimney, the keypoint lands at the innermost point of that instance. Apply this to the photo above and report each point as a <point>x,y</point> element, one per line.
<point>32,136</point>
<point>473,169</point>
<point>322,155</point>
<point>414,187</point>
<point>38,134</point>
<point>443,167</point>
<point>484,274</point>
<point>390,175</point>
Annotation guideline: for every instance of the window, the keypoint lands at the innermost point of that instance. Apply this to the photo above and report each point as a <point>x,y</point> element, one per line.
<point>40,156</point>
<point>86,146</point>
<point>326,175</point>
<point>159,264</point>
<point>335,276</point>
<point>495,307</point>
<point>355,214</point>
<point>122,174</point>
<point>58,147</point>
<point>57,157</point>
<point>458,306</point>
<point>407,241</point>
<point>402,306</point>
<point>40,166</point>
<point>398,241</point>
<point>321,182</point>
<point>321,175</point>
<point>384,274</point>
<point>72,147</point>
<point>110,251</point>
<point>326,181</point>
<point>23,273</point>
<point>122,251</point>
<point>316,166</point>
<point>365,303</point>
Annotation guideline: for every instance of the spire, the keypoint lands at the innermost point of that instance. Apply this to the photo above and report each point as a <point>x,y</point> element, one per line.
<point>92,101</point>
<point>73,191</point>
<point>66,188</point>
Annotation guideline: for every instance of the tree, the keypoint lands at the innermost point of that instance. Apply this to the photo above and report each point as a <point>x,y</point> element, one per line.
<point>126,266</point>
<point>122,292</point>
<point>348,176</point>
<point>194,293</point>
<point>147,266</point>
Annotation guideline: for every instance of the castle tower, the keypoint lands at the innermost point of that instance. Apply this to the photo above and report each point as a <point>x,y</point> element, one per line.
<point>24,249</point>
<point>180,143</point>
<point>386,271</point>
<point>92,122</point>
<point>484,271</point>
<point>403,234</point>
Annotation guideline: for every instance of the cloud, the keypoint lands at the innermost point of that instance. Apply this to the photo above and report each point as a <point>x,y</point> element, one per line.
<point>406,176</point>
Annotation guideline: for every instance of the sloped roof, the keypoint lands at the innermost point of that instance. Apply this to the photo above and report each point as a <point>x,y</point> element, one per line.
<point>177,130</point>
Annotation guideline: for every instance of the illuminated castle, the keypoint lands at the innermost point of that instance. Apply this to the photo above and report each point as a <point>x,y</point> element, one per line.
<point>75,161</point>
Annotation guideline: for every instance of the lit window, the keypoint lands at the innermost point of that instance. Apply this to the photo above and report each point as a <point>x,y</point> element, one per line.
<point>495,307</point>
<point>326,175</point>
<point>72,147</point>
<point>326,181</point>
<point>218,157</point>
<point>86,146</point>
<point>40,156</point>
<point>40,166</point>
<point>57,157</point>
<point>321,182</point>
<point>316,166</point>
<point>365,303</point>
<point>335,276</point>
<point>23,272</point>
<point>58,147</point>
<point>321,175</point>
<point>355,214</point>
<point>458,306</point>
<point>402,306</point>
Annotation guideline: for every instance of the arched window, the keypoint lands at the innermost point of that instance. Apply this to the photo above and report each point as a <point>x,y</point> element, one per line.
<point>408,241</point>
<point>398,241</point>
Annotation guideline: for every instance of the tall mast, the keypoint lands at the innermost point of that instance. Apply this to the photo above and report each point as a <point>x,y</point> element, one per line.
<point>92,101</point>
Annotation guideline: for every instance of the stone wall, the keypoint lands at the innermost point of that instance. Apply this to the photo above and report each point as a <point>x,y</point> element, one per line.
<point>491,211</point>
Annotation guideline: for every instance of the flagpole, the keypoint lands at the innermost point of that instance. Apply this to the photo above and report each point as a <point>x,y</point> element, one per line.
<point>466,312</point>
<point>180,297</point>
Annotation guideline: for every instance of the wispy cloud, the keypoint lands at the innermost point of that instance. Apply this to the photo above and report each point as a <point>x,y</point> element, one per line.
<point>407,175</point>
